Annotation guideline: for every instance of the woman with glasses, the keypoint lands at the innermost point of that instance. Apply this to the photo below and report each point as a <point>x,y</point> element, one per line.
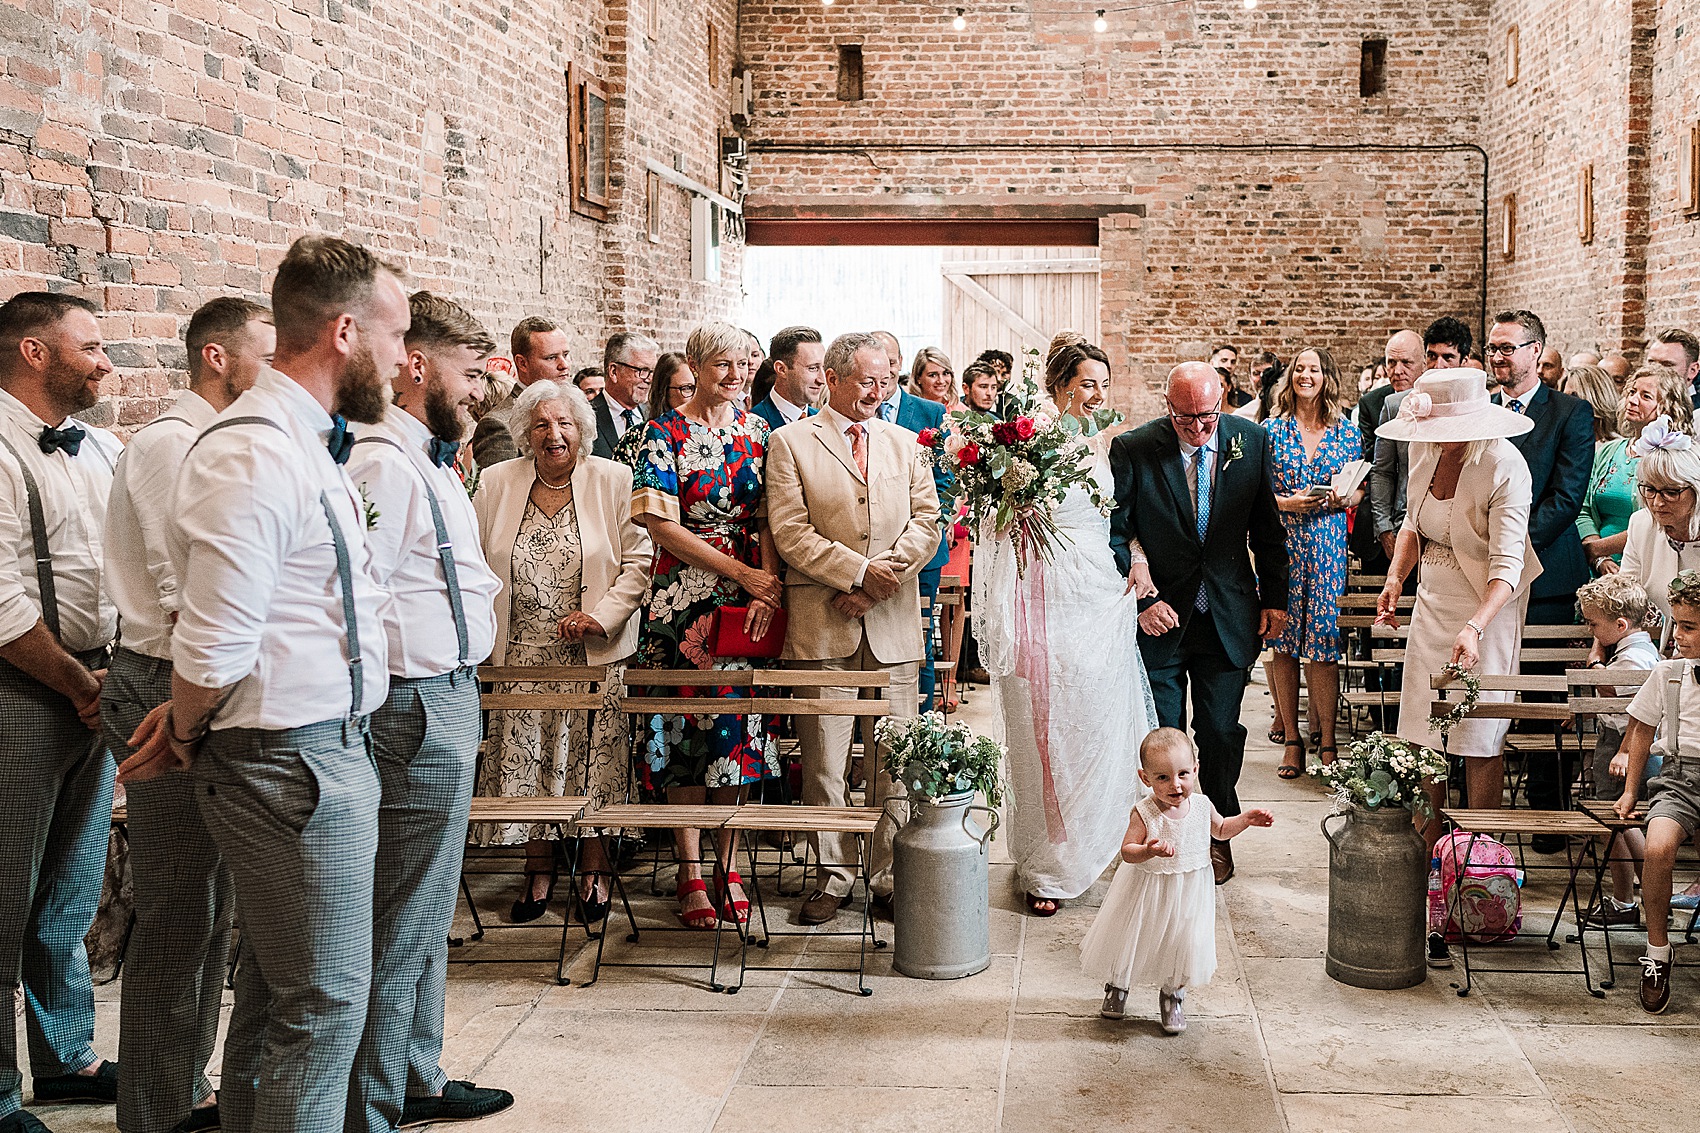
<point>1654,392</point>
<point>1310,441</point>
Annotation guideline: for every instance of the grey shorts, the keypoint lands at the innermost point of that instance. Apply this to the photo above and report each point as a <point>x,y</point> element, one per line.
<point>1609,787</point>
<point>1676,795</point>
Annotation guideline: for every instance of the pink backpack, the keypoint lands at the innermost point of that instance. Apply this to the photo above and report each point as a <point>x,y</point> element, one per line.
<point>1484,900</point>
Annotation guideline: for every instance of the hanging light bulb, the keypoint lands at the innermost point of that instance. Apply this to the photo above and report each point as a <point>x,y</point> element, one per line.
<point>960,23</point>
<point>1100,25</point>
<point>1249,4</point>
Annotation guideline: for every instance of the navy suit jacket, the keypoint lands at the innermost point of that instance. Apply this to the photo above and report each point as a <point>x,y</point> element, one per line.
<point>606,437</point>
<point>769,412</point>
<point>1155,506</point>
<point>1560,454</point>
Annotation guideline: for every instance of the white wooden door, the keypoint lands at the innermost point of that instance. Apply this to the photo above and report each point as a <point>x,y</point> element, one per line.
<point>1016,298</point>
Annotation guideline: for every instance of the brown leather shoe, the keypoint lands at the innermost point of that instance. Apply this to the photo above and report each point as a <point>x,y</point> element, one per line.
<point>1655,985</point>
<point>820,907</point>
<point>1221,860</point>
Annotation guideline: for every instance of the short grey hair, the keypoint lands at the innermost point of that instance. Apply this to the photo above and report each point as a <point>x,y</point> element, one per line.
<point>841,355</point>
<point>542,393</point>
<point>621,344</point>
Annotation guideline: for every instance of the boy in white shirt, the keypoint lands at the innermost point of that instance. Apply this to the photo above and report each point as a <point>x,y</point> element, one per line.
<point>1614,607</point>
<point>1668,704</point>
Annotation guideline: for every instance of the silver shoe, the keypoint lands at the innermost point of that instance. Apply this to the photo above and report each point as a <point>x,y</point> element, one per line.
<point>1115,1002</point>
<point>1169,1011</point>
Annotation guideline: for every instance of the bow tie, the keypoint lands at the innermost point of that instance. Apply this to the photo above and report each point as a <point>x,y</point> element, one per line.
<point>70,438</point>
<point>442,452</point>
<point>339,440</point>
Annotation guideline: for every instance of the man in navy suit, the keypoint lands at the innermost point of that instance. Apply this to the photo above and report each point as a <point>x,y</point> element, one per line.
<point>1560,454</point>
<point>799,376</point>
<point>628,363</point>
<point>1193,489</point>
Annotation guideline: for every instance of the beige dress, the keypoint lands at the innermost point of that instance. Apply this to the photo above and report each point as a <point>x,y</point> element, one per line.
<point>533,753</point>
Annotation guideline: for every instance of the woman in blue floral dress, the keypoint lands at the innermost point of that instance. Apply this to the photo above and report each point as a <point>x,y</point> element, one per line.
<point>700,489</point>
<point>1310,440</point>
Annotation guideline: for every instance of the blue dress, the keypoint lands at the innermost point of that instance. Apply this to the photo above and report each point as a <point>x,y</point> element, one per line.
<point>1316,544</point>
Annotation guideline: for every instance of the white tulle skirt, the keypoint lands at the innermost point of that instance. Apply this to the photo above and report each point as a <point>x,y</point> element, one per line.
<point>1154,930</point>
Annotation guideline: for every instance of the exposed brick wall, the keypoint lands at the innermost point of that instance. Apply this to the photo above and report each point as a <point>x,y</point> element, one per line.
<point>155,155</point>
<point>1267,249</point>
<point>1673,250</point>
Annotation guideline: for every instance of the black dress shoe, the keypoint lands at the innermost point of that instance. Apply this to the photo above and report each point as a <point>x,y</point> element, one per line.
<point>22,1121</point>
<point>1221,860</point>
<point>99,1088</point>
<point>460,1101</point>
<point>199,1120</point>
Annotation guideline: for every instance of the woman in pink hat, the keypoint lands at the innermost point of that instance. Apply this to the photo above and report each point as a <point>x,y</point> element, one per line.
<point>1467,523</point>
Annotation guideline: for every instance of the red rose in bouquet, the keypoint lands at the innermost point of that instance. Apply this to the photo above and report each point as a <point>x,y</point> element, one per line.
<point>1004,433</point>
<point>928,437</point>
<point>1024,428</point>
<point>968,454</point>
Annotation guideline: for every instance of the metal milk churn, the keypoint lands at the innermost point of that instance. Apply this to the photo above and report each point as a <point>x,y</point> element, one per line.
<point>1377,892</point>
<point>940,885</point>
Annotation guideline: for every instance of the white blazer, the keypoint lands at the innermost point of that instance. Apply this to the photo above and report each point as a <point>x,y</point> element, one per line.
<point>1649,559</point>
<point>618,555</point>
<point>1490,514</point>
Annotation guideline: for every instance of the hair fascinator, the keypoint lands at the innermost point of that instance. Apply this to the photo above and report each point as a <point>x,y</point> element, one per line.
<point>1658,435</point>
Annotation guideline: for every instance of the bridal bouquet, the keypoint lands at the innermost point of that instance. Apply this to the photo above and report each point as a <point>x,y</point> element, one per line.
<point>1012,474</point>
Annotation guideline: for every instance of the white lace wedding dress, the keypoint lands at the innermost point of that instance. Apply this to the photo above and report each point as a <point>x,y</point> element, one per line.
<point>1061,646</point>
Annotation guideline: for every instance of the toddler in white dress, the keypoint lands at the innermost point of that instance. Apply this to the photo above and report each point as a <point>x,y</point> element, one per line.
<point>1158,924</point>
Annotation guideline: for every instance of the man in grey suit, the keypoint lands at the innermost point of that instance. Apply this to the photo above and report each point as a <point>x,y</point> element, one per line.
<point>278,656</point>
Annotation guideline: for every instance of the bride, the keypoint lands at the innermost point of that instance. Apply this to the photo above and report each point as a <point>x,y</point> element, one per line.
<point>1060,644</point>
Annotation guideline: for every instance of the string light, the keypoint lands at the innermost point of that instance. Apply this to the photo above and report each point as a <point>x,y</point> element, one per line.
<point>1100,25</point>
<point>960,23</point>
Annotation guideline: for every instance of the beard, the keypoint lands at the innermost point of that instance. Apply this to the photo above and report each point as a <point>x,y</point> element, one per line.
<point>70,385</point>
<point>360,394</point>
<point>446,420</point>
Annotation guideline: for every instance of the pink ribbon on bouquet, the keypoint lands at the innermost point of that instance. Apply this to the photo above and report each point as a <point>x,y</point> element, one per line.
<point>1032,664</point>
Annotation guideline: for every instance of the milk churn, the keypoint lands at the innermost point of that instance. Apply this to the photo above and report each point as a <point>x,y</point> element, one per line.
<point>940,886</point>
<point>1377,876</point>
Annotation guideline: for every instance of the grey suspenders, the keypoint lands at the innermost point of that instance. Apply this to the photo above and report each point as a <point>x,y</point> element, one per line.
<point>445,550</point>
<point>38,535</point>
<point>344,569</point>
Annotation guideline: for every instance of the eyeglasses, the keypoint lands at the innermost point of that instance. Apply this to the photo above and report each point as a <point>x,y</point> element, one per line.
<point>1195,419</point>
<point>1668,495</point>
<point>686,389</point>
<point>1506,349</point>
<point>640,371</point>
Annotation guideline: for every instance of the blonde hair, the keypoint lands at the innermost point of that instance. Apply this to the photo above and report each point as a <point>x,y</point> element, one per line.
<point>1615,596</point>
<point>1594,385</point>
<point>1286,401</point>
<point>1164,739</point>
<point>711,340</point>
<point>1673,399</point>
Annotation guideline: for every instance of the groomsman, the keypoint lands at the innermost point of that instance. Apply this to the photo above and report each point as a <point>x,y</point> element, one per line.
<point>174,965</point>
<point>55,628</point>
<point>279,655</point>
<point>854,515</point>
<point>1194,490</point>
<point>426,552</point>
<point>799,376</point>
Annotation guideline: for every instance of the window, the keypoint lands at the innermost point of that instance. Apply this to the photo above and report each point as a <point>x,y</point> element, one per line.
<point>713,54</point>
<point>1508,227</point>
<point>652,23</point>
<point>1688,171</point>
<point>587,134</point>
<point>849,72</point>
<point>1585,204</point>
<point>1372,68</point>
<point>1513,55</point>
<point>652,206</point>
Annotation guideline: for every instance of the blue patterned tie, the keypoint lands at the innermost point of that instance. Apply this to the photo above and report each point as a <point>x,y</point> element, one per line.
<point>1515,405</point>
<point>1203,476</point>
<point>888,411</point>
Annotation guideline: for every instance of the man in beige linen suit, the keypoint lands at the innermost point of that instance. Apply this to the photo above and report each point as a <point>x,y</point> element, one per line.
<point>854,515</point>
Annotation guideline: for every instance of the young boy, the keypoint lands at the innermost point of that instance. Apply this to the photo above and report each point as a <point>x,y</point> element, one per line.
<point>1614,607</point>
<point>1669,703</point>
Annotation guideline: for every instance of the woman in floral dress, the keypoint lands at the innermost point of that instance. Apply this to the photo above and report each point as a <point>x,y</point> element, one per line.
<point>700,490</point>
<point>1311,439</point>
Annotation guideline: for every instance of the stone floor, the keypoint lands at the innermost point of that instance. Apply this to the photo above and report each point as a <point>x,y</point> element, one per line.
<point>1274,1043</point>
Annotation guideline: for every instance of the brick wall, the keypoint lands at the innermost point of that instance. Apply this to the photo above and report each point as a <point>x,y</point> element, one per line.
<point>1673,245</point>
<point>155,155</point>
<point>1268,249</point>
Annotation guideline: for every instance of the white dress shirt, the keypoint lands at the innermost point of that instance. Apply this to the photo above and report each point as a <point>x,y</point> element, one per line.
<point>1189,454</point>
<point>73,493</point>
<point>1651,704</point>
<point>617,413</point>
<point>139,574</point>
<point>787,412</point>
<point>404,549</point>
<point>259,603</point>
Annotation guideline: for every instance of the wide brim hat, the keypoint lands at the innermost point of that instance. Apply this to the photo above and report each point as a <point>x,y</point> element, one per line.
<point>1452,406</point>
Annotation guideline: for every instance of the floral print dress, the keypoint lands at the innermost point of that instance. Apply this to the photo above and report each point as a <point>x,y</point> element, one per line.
<point>543,753</point>
<point>1316,543</point>
<point>711,481</point>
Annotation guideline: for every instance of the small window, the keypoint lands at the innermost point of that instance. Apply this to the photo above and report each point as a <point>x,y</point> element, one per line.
<point>1508,227</point>
<point>849,72</point>
<point>713,54</point>
<point>1372,68</point>
<point>588,143</point>
<point>1585,203</point>
<point>652,206</point>
<point>653,22</point>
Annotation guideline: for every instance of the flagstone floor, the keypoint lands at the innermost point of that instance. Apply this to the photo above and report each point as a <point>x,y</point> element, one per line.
<point>1274,1044</point>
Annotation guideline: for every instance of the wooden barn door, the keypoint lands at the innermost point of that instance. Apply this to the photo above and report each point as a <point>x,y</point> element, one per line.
<point>1016,298</point>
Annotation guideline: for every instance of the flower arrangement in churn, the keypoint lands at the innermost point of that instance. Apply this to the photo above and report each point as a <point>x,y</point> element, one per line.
<point>1382,771</point>
<point>935,759</point>
<point>1013,473</point>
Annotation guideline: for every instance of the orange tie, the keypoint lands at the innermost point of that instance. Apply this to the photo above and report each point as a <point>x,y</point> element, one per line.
<point>859,447</point>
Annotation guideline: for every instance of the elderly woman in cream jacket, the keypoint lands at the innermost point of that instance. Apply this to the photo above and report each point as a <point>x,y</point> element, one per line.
<point>557,530</point>
<point>1467,523</point>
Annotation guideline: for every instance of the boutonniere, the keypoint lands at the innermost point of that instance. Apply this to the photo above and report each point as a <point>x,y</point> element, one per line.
<point>369,509</point>
<point>471,478</point>
<point>1236,449</point>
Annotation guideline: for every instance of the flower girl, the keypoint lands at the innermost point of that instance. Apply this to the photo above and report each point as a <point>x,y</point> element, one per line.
<point>1158,923</point>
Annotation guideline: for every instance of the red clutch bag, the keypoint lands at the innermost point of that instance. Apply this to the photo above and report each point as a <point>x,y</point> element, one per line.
<point>730,640</point>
